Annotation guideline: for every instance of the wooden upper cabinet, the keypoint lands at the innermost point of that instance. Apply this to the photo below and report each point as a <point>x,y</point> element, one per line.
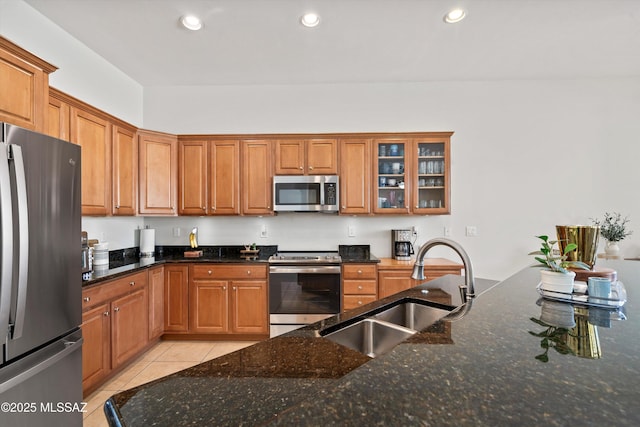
<point>355,176</point>
<point>24,87</point>
<point>125,171</point>
<point>158,173</point>
<point>93,134</point>
<point>257,186</point>
<point>307,157</point>
<point>209,178</point>
<point>322,157</point>
<point>58,119</point>
<point>290,156</point>
<point>193,177</point>
<point>224,177</point>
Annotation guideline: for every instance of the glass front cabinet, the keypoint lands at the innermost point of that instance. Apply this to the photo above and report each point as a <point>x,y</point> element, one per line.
<point>412,175</point>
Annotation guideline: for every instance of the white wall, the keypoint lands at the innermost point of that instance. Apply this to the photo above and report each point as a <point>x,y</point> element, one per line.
<point>81,72</point>
<point>526,155</point>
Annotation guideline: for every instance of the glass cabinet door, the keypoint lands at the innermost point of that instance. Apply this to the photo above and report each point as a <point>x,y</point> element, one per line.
<point>390,174</point>
<point>431,177</point>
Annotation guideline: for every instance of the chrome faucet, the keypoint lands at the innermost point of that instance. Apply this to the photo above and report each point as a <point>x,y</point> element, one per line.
<point>467,291</point>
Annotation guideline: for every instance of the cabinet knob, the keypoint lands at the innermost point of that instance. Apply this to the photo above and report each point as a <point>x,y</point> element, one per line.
<point>116,309</point>
<point>86,299</point>
<point>359,287</point>
<point>359,302</point>
<point>224,288</point>
<point>248,272</point>
<point>106,313</point>
<point>310,168</point>
<point>209,272</point>
<point>117,206</point>
<point>359,271</point>
<point>132,283</point>
<point>301,168</point>
<point>344,207</point>
<point>204,208</point>
<point>213,208</point>
<point>234,288</point>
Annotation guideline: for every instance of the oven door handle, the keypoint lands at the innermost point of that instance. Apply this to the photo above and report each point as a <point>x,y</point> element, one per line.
<point>318,269</point>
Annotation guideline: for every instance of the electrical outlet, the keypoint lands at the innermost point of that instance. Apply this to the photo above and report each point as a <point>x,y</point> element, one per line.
<point>447,232</point>
<point>263,232</point>
<point>471,231</point>
<point>352,231</point>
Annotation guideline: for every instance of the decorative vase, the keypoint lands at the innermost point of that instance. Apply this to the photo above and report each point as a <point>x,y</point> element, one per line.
<point>611,248</point>
<point>585,237</point>
<point>554,281</point>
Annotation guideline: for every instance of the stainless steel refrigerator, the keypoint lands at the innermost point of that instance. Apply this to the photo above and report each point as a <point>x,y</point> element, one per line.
<point>40,280</point>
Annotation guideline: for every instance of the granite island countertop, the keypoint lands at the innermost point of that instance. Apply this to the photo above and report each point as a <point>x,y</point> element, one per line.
<point>478,370</point>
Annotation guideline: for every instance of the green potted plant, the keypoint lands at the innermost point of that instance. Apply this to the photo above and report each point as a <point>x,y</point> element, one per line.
<point>614,229</point>
<point>557,277</point>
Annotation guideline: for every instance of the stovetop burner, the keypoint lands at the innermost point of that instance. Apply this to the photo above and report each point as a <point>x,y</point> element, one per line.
<point>305,258</point>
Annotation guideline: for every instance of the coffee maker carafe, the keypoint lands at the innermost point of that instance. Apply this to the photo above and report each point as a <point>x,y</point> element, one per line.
<point>401,247</point>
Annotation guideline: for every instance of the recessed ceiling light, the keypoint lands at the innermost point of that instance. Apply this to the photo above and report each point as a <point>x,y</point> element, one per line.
<point>310,19</point>
<point>191,22</point>
<point>454,15</point>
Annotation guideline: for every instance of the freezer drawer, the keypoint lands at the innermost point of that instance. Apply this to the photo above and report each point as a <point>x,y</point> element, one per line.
<point>45,387</point>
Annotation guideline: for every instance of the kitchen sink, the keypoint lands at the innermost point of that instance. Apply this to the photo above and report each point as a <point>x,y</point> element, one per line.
<point>370,336</point>
<point>411,315</point>
<point>380,332</point>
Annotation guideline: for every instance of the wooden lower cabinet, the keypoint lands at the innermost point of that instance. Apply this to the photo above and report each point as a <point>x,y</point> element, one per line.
<point>359,284</point>
<point>96,349</point>
<point>115,326</point>
<point>395,276</point>
<point>228,299</point>
<point>130,326</point>
<point>156,302</point>
<point>176,295</point>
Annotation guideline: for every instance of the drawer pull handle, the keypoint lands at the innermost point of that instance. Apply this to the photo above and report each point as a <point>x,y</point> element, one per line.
<point>86,299</point>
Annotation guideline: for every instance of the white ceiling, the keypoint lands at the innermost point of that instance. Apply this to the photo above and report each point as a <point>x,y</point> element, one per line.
<point>262,42</point>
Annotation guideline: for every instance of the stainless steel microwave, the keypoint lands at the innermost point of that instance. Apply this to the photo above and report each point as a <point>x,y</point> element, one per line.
<point>305,193</point>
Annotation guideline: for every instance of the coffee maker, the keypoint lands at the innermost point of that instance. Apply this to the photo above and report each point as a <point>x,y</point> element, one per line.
<point>401,247</point>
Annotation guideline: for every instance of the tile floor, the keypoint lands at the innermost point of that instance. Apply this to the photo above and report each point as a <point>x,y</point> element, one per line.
<point>164,358</point>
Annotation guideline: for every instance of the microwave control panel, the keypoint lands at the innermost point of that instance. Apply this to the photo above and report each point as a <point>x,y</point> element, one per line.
<point>330,193</point>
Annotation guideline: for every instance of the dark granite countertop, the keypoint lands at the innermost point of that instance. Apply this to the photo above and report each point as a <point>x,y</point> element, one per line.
<point>478,370</point>
<point>126,261</point>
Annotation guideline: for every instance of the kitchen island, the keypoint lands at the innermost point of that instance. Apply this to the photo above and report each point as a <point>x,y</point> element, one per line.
<point>478,370</point>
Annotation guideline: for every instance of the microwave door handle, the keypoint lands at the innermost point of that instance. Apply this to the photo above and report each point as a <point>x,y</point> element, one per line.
<point>323,188</point>
<point>6,256</point>
<point>23,240</point>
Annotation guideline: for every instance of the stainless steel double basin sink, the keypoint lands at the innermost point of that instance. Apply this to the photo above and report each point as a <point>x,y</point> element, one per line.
<point>380,332</point>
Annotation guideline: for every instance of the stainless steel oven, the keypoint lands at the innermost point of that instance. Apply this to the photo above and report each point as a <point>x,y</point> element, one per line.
<point>303,288</point>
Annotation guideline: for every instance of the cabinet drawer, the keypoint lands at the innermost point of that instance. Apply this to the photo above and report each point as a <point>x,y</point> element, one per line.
<point>106,291</point>
<point>359,271</point>
<point>234,271</point>
<point>353,301</point>
<point>360,287</point>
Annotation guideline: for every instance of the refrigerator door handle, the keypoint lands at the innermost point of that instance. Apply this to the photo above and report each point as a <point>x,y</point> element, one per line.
<point>6,228</point>
<point>15,154</point>
<point>42,363</point>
